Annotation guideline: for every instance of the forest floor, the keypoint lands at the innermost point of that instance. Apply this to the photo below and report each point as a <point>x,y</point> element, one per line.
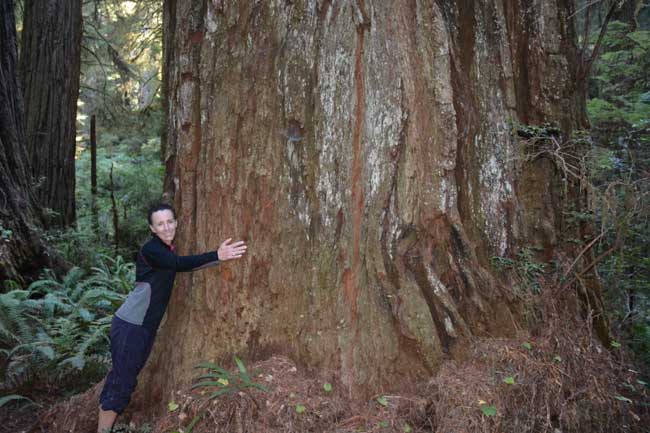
<point>558,378</point>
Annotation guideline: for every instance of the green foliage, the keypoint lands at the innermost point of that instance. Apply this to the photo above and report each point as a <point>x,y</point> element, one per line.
<point>619,109</point>
<point>56,327</point>
<point>137,182</point>
<point>120,86</point>
<point>620,80</point>
<point>526,268</point>
<point>489,411</point>
<point>535,131</point>
<point>13,397</point>
<point>224,381</point>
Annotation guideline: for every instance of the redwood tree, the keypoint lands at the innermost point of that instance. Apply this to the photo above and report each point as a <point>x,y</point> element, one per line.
<point>49,70</point>
<point>22,251</point>
<point>364,149</point>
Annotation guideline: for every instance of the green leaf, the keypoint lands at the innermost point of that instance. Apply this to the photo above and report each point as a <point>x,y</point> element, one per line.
<point>557,358</point>
<point>219,393</point>
<point>509,380</point>
<point>172,406</point>
<point>207,383</point>
<point>223,381</point>
<point>300,408</point>
<point>526,345</point>
<point>46,351</point>
<point>254,385</point>
<point>240,365</point>
<point>615,344</point>
<point>327,387</point>
<point>13,397</point>
<point>77,362</point>
<point>191,425</point>
<point>489,410</point>
<point>407,428</point>
<point>215,367</point>
<point>382,401</point>
<point>384,424</point>
<point>621,398</point>
<point>640,382</point>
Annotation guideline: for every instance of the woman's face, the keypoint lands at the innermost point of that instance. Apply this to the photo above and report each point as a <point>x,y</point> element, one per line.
<point>163,225</point>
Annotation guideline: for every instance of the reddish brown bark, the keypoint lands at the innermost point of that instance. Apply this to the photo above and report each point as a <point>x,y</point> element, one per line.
<point>22,250</point>
<point>49,69</point>
<point>364,151</point>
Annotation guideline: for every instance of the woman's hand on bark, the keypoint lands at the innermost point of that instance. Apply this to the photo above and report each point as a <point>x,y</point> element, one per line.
<point>229,250</point>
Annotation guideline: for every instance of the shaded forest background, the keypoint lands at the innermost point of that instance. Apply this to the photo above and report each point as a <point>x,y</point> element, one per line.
<point>54,322</point>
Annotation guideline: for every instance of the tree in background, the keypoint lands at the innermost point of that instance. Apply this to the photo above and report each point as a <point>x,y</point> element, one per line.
<point>120,82</point>
<point>365,151</point>
<point>49,70</point>
<point>22,249</point>
<point>619,109</point>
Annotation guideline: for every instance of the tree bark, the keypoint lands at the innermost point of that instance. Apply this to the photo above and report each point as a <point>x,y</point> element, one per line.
<point>364,150</point>
<point>49,69</point>
<point>22,252</point>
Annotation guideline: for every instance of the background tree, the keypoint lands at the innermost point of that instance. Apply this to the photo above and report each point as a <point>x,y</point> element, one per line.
<point>121,50</point>
<point>22,249</point>
<point>365,151</point>
<point>49,70</point>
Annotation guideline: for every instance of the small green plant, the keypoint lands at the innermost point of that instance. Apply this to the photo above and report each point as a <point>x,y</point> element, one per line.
<point>489,411</point>
<point>382,401</point>
<point>224,381</point>
<point>526,269</point>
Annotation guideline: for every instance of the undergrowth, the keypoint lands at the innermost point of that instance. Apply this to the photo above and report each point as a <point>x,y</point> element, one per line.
<point>56,330</point>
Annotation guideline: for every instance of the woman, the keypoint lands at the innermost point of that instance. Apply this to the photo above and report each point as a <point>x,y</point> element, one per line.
<point>134,326</point>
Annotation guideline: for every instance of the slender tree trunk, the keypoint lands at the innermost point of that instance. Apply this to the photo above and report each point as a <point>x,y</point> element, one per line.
<point>93,171</point>
<point>22,252</point>
<point>627,12</point>
<point>169,17</point>
<point>364,150</point>
<point>116,217</point>
<point>49,69</point>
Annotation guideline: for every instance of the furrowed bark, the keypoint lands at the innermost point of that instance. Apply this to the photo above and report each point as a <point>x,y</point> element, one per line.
<point>364,150</point>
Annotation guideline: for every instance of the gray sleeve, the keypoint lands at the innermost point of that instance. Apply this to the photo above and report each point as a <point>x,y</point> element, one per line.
<point>136,305</point>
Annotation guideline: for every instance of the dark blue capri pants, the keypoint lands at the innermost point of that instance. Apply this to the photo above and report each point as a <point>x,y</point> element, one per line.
<point>130,347</point>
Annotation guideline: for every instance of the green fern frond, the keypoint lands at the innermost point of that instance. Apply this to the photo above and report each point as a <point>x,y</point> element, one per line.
<point>93,296</point>
<point>72,278</point>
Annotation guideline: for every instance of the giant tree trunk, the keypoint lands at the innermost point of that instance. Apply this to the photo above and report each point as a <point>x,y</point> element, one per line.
<point>22,252</point>
<point>364,150</point>
<point>49,69</point>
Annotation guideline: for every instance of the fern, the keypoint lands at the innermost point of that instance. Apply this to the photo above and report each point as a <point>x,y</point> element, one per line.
<point>14,322</point>
<point>58,325</point>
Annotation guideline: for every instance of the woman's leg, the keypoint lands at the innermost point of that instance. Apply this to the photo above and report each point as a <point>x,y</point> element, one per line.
<point>130,348</point>
<point>106,420</point>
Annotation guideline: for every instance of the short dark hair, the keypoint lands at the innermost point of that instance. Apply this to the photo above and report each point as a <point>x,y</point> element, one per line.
<point>158,207</point>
